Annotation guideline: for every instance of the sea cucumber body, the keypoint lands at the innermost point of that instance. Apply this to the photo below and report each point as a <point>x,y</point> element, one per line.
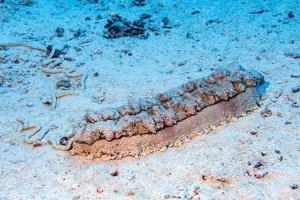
<point>170,118</point>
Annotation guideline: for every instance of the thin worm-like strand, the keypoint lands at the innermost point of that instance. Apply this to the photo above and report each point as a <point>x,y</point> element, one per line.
<point>55,63</point>
<point>23,45</point>
<point>52,53</point>
<point>35,132</point>
<point>27,126</point>
<point>83,81</point>
<point>54,101</point>
<point>65,94</point>
<point>70,75</point>
<point>54,71</point>
<point>48,61</point>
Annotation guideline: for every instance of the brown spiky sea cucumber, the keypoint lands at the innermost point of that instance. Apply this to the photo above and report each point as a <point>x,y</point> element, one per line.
<point>169,118</point>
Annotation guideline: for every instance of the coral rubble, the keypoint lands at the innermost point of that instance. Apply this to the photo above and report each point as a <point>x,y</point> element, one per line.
<point>118,26</point>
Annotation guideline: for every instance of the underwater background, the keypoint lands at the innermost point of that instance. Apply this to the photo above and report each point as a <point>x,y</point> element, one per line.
<point>108,52</point>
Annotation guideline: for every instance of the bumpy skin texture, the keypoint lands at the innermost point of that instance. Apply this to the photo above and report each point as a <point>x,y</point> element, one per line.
<point>151,117</point>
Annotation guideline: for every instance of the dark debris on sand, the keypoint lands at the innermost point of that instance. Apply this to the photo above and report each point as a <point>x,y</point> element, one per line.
<point>57,52</point>
<point>118,27</point>
<point>139,2</point>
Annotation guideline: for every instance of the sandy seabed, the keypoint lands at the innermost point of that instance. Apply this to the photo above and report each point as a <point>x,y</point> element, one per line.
<point>256,157</point>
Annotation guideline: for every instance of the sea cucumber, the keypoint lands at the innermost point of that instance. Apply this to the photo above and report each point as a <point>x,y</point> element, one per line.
<point>170,118</point>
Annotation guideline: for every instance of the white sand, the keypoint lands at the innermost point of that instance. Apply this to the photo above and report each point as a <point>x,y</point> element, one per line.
<point>259,41</point>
